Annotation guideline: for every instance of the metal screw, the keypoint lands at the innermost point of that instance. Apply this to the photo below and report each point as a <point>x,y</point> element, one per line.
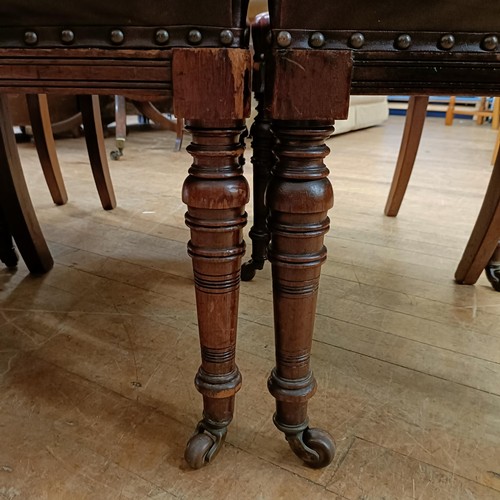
<point>403,41</point>
<point>284,39</point>
<point>226,37</point>
<point>317,40</point>
<point>30,38</point>
<point>67,36</point>
<point>357,40</point>
<point>117,36</point>
<point>162,37</point>
<point>194,37</point>
<point>490,42</point>
<point>447,42</point>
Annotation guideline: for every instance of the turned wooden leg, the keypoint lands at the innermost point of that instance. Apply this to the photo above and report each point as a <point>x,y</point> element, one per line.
<point>483,242</point>
<point>414,124</point>
<point>120,127</point>
<point>41,126</point>
<point>299,197</point>
<point>94,137</point>
<point>216,193</point>
<point>18,216</point>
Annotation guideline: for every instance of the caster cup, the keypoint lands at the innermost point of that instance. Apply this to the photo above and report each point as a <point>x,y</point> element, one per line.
<point>249,269</point>
<point>314,446</point>
<point>204,445</point>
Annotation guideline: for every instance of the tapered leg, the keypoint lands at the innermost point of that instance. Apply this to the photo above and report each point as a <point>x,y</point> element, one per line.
<point>216,193</point>
<point>415,118</point>
<point>94,137</point>
<point>299,197</point>
<point>41,126</point>
<point>485,235</point>
<point>18,216</point>
<point>120,127</point>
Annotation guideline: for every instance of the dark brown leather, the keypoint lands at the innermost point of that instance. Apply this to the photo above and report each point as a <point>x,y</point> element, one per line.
<point>122,13</point>
<point>394,15</point>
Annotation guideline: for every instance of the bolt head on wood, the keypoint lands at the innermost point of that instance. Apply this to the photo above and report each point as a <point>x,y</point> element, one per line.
<point>447,41</point>
<point>403,41</point>
<point>490,42</point>
<point>226,37</point>
<point>162,36</point>
<point>357,40</point>
<point>317,40</point>
<point>30,38</point>
<point>194,37</point>
<point>67,36</point>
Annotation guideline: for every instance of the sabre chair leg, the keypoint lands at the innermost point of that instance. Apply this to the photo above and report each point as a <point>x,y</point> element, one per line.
<point>216,193</point>
<point>41,126</point>
<point>483,242</point>
<point>94,137</point>
<point>414,124</point>
<point>299,197</point>
<point>18,215</point>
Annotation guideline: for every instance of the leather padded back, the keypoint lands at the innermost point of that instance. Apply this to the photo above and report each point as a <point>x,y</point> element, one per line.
<point>387,15</point>
<point>122,13</point>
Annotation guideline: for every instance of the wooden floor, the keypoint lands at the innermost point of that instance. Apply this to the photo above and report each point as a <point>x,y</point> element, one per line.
<point>97,358</point>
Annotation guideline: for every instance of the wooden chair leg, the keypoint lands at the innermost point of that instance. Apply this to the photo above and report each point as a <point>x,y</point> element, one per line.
<point>150,111</point>
<point>41,126</point>
<point>485,235</point>
<point>121,127</point>
<point>496,149</point>
<point>450,112</point>
<point>495,119</point>
<point>94,137</point>
<point>415,118</point>
<point>18,214</point>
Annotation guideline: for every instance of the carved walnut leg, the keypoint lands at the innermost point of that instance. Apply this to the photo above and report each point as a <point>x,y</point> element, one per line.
<point>216,193</point>
<point>299,197</point>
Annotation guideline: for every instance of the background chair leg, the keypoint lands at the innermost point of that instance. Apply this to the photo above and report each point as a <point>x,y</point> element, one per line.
<point>120,128</point>
<point>94,137</point>
<point>483,242</point>
<point>8,254</point>
<point>414,124</point>
<point>18,215</point>
<point>41,126</point>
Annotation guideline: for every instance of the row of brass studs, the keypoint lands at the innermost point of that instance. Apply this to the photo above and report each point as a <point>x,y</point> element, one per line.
<point>117,37</point>
<point>402,42</point>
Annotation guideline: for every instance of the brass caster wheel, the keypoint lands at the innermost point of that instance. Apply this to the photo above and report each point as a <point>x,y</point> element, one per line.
<point>493,274</point>
<point>204,445</point>
<point>197,450</point>
<point>314,446</point>
<point>249,269</point>
<point>116,154</point>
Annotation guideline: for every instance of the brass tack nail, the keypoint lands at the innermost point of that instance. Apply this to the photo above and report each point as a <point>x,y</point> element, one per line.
<point>226,37</point>
<point>162,36</point>
<point>194,37</point>
<point>403,41</point>
<point>67,36</point>
<point>30,38</point>
<point>357,40</point>
<point>317,40</point>
<point>490,42</point>
<point>117,36</point>
<point>284,39</point>
<point>447,41</point>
